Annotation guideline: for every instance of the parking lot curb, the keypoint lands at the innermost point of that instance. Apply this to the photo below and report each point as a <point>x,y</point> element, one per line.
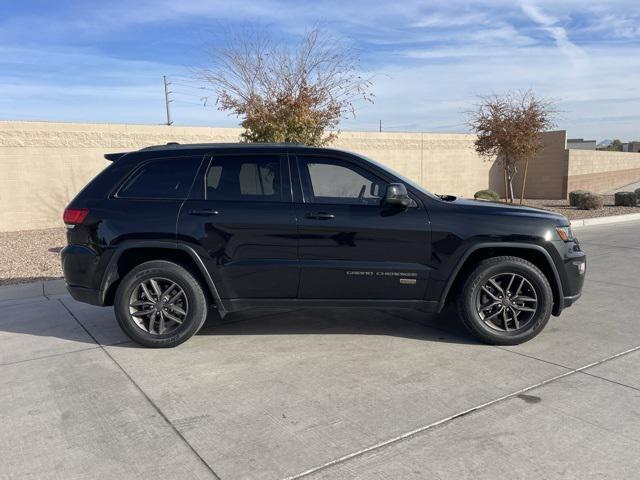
<point>605,220</point>
<point>43,288</point>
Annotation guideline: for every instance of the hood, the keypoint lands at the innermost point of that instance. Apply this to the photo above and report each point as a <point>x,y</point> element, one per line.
<point>494,208</point>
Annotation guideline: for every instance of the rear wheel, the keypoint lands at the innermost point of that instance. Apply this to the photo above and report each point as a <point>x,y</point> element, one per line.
<point>160,304</point>
<point>505,301</point>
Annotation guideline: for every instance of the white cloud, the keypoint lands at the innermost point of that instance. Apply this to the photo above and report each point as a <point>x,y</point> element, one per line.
<point>574,54</point>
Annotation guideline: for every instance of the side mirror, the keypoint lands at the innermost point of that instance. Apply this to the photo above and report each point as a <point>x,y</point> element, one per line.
<point>397,195</point>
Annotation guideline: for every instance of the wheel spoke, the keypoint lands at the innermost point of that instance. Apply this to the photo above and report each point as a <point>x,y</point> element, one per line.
<point>524,309</point>
<point>498,287</point>
<point>143,313</point>
<point>175,297</point>
<point>488,306</point>
<point>493,297</point>
<point>513,277</point>
<point>161,324</point>
<point>525,299</point>
<point>152,321</point>
<point>515,318</point>
<point>156,288</point>
<point>177,309</point>
<point>493,315</point>
<point>521,285</point>
<point>172,317</point>
<point>505,319</point>
<point>146,291</point>
<point>141,303</point>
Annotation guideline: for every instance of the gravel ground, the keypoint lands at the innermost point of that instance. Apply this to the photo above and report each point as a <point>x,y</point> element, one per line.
<point>572,213</point>
<point>31,255</point>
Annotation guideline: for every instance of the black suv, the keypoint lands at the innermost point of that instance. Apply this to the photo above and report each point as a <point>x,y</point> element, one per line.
<point>167,231</point>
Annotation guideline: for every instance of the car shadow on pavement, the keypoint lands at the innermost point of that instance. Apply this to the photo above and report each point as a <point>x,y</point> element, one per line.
<point>340,321</point>
<point>101,325</point>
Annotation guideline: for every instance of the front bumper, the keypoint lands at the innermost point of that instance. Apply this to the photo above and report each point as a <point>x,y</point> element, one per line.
<point>572,278</point>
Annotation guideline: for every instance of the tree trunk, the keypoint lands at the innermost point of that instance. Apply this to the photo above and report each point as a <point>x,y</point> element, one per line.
<point>506,186</point>
<point>511,187</point>
<point>524,181</point>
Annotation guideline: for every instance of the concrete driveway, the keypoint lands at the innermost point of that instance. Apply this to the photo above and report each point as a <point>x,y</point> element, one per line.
<point>329,394</point>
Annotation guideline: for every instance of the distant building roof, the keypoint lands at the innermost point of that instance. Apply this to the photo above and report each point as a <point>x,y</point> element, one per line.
<point>581,144</point>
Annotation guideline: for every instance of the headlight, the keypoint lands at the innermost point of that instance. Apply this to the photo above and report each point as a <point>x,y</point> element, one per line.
<point>565,233</point>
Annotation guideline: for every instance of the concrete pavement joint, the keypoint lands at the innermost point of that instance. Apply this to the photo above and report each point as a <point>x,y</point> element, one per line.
<point>611,381</point>
<point>419,430</point>
<point>144,394</point>
<point>53,355</point>
<point>613,284</point>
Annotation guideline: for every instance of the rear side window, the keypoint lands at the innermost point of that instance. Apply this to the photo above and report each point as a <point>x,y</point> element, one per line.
<point>168,178</point>
<point>256,178</point>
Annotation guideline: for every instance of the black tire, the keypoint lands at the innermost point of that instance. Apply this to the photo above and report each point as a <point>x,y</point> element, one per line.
<point>486,329</point>
<point>194,297</point>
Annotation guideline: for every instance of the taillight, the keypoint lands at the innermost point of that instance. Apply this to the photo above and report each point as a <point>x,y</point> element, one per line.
<point>75,216</point>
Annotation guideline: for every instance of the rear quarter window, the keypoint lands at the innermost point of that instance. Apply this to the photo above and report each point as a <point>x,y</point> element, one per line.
<point>167,178</point>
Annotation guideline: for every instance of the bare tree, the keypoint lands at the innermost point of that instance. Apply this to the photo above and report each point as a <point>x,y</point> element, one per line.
<point>287,94</point>
<point>509,129</point>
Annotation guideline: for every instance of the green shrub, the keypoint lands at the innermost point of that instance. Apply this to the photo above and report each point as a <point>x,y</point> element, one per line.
<point>637,192</point>
<point>573,197</point>
<point>487,195</point>
<point>590,201</point>
<point>625,199</point>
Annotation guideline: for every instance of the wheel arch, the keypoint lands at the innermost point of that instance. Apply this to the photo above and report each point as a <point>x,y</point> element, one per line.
<point>130,254</point>
<point>532,253</point>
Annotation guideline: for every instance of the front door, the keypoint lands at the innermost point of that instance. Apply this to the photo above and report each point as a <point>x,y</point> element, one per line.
<point>241,220</point>
<point>351,245</point>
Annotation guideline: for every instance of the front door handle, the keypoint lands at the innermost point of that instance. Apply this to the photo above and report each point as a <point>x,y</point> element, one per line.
<point>320,216</point>
<point>205,212</point>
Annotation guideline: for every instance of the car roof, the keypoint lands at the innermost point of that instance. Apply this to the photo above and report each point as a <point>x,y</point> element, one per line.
<point>174,146</point>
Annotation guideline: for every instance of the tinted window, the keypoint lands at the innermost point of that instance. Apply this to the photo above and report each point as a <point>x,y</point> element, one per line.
<point>166,178</point>
<point>327,180</point>
<point>244,178</point>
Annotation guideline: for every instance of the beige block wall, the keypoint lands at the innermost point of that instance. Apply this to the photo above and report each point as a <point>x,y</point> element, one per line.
<point>600,171</point>
<point>547,171</point>
<point>44,164</point>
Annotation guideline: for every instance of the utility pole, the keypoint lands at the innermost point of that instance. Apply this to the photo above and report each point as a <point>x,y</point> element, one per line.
<point>166,99</point>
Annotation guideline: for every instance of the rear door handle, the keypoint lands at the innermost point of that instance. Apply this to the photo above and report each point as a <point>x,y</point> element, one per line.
<point>205,212</point>
<point>320,216</point>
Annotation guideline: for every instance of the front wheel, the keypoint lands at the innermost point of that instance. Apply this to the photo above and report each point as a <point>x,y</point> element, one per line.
<point>160,304</point>
<point>505,301</point>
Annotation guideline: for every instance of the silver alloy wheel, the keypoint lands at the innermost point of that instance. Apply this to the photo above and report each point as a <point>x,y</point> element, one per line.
<point>158,306</point>
<point>507,302</point>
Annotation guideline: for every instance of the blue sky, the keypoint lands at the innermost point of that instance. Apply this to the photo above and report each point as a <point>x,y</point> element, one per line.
<point>103,61</point>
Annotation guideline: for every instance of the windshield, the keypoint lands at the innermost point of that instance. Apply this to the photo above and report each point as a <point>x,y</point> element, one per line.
<point>400,176</point>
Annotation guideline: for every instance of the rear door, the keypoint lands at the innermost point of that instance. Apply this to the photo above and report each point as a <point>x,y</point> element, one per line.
<point>351,245</point>
<point>241,220</point>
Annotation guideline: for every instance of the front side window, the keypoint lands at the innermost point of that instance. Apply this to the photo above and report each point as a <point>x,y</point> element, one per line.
<point>168,178</point>
<point>244,179</point>
<point>328,180</point>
